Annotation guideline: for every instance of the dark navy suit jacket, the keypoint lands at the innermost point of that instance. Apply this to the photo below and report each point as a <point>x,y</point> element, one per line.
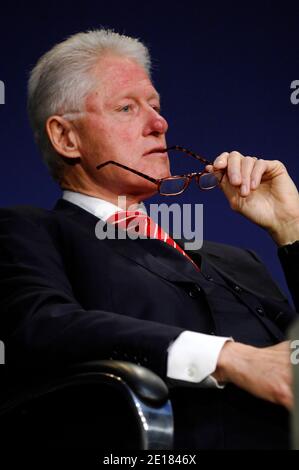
<point>67,296</point>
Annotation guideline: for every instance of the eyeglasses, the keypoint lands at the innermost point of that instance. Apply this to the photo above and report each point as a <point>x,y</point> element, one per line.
<point>174,185</point>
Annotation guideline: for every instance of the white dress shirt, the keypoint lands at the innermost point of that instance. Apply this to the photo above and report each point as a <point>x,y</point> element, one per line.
<point>193,356</point>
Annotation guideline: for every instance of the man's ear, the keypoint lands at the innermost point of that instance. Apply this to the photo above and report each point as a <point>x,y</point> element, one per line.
<point>63,136</point>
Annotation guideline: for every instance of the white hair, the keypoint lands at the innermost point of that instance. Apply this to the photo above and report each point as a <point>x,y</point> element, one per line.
<point>62,79</point>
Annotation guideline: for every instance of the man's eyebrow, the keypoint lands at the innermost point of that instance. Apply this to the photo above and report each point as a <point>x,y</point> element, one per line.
<point>154,95</point>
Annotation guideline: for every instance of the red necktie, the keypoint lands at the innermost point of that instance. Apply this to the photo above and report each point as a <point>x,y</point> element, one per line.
<point>141,223</point>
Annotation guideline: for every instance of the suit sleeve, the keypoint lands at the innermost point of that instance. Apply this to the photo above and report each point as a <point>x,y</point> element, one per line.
<point>42,323</point>
<point>289,258</point>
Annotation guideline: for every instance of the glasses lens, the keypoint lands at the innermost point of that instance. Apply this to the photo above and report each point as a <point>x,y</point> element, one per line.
<point>210,180</point>
<point>173,186</point>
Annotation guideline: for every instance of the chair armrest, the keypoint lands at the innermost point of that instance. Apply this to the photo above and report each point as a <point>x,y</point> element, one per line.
<point>145,384</point>
<point>145,393</point>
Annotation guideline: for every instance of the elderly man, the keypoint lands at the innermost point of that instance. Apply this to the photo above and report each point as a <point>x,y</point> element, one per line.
<point>211,317</point>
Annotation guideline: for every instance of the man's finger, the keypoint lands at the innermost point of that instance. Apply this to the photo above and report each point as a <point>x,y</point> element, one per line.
<point>257,173</point>
<point>247,165</point>
<point>221,160</point>
<point>234,168</point>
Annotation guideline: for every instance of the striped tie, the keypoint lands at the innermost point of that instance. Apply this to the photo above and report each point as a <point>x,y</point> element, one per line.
<point>141,223</point>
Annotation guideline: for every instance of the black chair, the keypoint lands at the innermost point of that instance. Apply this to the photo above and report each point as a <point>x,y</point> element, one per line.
<point>96,405</point>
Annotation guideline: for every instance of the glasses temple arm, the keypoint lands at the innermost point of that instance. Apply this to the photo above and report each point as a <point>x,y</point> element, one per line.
<point>138,173</point>
<point>189,152</point>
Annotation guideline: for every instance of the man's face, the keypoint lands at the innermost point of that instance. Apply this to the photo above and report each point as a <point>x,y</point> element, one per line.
<point>123,123</point>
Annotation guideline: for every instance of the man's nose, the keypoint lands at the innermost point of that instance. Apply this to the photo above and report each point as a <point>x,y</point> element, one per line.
<point>155,124</point>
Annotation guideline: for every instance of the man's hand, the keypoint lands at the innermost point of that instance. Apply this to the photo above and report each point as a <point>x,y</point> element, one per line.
<point>263,372</point>
<point>262,191</point>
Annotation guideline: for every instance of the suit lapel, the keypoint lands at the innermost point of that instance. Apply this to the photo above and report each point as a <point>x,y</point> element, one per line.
<point>154,255</point>
<point>166,262</point>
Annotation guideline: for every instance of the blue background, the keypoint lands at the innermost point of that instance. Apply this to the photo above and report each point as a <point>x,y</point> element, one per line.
<point>224,72</point>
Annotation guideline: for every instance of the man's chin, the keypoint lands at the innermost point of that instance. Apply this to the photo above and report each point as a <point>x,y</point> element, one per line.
<point>163,173</point>
<point>144,192</point>
<point>160,168</point>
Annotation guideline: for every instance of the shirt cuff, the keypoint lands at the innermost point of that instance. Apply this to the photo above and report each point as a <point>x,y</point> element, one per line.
<point>193,357</point>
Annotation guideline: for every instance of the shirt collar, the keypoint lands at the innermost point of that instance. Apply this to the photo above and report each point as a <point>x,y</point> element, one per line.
<point>96,206</point>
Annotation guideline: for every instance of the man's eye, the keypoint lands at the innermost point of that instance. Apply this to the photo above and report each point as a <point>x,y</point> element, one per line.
<point>157,109</point>
<point>126,108</point>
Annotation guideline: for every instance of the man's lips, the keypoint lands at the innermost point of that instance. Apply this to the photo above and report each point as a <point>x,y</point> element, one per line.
<point>156,151</point>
